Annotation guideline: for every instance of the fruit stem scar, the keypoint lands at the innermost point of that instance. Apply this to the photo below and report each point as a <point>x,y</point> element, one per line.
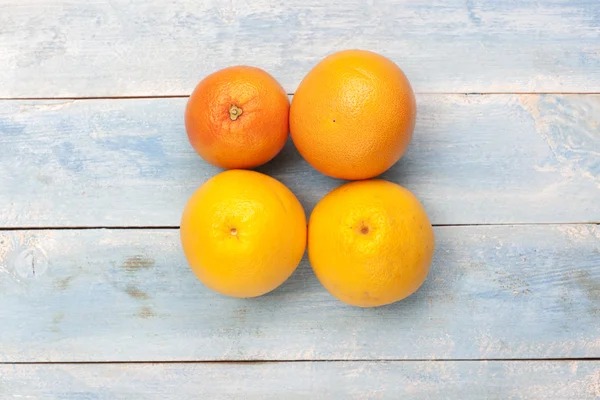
<point>234,112</point>
<point>233,231</point>
<point>364,228</point>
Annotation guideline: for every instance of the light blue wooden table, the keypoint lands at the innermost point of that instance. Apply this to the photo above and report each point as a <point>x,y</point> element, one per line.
<point>96,299</point>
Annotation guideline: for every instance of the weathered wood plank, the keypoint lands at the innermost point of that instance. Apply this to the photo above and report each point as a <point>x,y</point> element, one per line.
<point>128,295</point>
<point>560,380</point>
<point>66,48</point>
<point>474,159</point>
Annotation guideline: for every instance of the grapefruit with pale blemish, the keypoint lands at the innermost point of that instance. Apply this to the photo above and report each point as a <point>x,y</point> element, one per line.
<point>238,117</point>
<point>243,233</point>
<point>353,115</point>
<point>370,243</point>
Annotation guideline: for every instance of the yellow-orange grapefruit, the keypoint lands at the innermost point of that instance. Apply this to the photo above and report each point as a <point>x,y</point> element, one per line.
<point>370,243</point>
<point>243,233</point>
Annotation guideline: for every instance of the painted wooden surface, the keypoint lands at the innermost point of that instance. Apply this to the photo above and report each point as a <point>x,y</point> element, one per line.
<point>503,302</point>
<point>67,48</point>
<point>559,380</point>
<point>128,295</point>
<point>474,159</point>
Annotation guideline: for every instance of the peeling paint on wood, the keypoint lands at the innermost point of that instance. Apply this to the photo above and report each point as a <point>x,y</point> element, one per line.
<point>135,263</point>
<point>493,292</point>
<point>60,48</point>
<point>564,380</point>
<point>474,159</point>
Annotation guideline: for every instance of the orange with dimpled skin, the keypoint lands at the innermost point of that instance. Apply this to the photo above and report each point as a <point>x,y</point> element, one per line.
<point>353,115</point>
<point>243,233</point>
<point>238,117</point>
<point>370,243</point>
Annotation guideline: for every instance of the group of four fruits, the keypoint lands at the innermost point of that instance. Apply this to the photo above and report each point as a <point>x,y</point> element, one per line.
<point>244,233</point>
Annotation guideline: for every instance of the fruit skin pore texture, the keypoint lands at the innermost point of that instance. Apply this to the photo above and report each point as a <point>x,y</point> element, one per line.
<point>353,115</point>
<point>238,117</point>
<point>243,233</point>
<point>370,243</point>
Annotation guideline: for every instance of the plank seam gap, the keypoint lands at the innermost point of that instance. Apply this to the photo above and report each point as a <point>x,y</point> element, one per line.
<point>83,228</point>
<point>158,227</point>
<point>179,96</point>
<point>283,361</point>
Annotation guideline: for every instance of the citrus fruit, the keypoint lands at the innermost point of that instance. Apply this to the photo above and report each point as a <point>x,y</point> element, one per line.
<point>243,233</point>
<point>238,117</point>
<point>353,115</point>
<point>370,243</point>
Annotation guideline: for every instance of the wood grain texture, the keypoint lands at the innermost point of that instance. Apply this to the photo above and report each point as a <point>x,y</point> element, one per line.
<point>576,380</point>
<point>66,48</point>
<point>128,295</point>
<point>474,159</point>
